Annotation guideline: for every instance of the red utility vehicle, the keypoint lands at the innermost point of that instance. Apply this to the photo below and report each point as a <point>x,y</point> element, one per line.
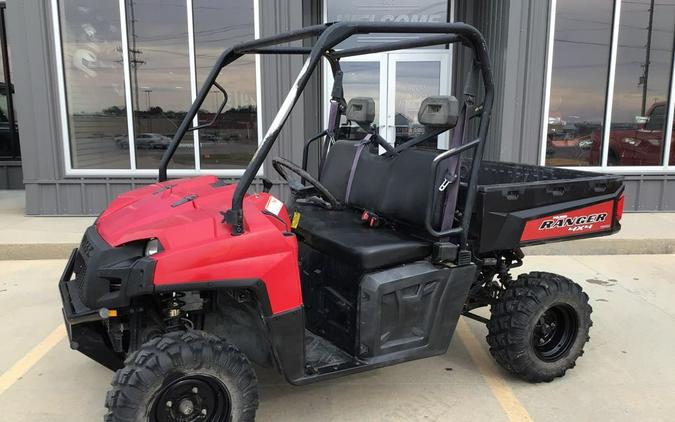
<point>180,285</point>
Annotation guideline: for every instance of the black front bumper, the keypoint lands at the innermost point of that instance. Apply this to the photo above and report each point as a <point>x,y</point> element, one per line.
<point>87,328</point>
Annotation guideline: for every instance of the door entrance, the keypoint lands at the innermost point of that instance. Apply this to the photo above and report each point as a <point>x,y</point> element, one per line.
<point>398,83</point>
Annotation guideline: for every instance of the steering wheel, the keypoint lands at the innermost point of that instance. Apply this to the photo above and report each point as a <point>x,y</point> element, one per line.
<point>296,185</point>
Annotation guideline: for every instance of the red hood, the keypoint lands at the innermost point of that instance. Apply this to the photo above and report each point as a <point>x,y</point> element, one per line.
<point>185,215</point>
<point>166,211</point>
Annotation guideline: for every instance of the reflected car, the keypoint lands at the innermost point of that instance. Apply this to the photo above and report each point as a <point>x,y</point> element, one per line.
<point>208,137</point>
<point>145,141</point>
<point>636,144</point>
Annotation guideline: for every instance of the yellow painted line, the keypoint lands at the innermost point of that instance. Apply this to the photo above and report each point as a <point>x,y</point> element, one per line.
<point>513,408</point>
<point>20,368</point>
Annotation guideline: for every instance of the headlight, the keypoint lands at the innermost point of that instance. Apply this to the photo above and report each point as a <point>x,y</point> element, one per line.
<point>585,144</point>
<point>632,141</point>
<point>152,247</point>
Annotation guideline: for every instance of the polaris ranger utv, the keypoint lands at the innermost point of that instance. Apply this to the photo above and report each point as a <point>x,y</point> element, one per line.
<point>181,285</point>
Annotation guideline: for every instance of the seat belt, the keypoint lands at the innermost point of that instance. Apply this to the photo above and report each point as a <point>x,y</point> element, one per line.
<point>337,106</point>
<point>450,183</point>
<point>419,139</point>
<point>359,149</point>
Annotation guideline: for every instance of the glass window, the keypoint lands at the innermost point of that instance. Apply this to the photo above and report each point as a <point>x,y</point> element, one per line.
<point>233,139</point>
<point>415,81</point>
<point>385,11</point>
<point>360,79</point>
<point>160,80</point>
<point>581,49</point>
<point>643,67</point>
<point>9,136</point>
<point>94,77</point>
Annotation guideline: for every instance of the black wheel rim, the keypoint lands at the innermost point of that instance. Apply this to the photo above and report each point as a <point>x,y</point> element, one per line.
<point>192,398</point>
<point>555,332</point>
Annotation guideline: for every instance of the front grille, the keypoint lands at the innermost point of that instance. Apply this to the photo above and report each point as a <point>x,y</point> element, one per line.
<point>80,270</point>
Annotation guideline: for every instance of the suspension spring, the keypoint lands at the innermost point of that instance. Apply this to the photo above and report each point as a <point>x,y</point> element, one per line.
<point>172,308</point>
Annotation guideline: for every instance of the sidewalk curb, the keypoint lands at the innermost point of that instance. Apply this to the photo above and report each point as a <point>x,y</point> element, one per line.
<point>37,251</point>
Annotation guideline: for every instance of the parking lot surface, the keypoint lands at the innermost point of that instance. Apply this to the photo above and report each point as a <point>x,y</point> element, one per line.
<point>626,374</point>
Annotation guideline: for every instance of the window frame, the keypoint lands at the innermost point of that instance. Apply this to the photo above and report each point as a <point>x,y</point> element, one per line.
<point>664,167</point>
<point>133,171</point>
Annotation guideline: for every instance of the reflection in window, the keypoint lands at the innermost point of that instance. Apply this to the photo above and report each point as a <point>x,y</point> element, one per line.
<point>160,80</point>
<point>415,81</point>
<point>360,79</point>
<point>643,67</point>
<point>233,139</point>
<point>581,49</point>
<point>92,61</point>
<point>9,135</point>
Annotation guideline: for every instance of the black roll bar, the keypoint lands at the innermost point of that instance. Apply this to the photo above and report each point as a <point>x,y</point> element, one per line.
<point>330,35</point>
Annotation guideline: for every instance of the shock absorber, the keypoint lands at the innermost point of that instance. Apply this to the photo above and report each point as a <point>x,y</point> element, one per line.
<point>172,309</point>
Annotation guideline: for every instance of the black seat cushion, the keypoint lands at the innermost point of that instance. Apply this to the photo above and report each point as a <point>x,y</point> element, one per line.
<point>342,235</point>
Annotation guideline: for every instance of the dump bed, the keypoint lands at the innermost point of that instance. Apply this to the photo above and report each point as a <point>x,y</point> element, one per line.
<point>519,205</point>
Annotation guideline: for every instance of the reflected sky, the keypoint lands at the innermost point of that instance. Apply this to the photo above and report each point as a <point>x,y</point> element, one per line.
<point>93,49</point>
<point>160,79</point>
<point>581,59</point>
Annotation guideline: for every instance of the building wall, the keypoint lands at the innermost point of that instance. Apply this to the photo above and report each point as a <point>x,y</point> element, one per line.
<point>48,191</point>
<point>516,35</point>
<point>515,30</point>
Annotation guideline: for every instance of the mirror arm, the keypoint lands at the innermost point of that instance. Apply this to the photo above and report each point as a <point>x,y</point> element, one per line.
<point>218,113</point>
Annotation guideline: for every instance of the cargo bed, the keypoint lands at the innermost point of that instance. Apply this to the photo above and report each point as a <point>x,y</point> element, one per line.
<point>519,205</point>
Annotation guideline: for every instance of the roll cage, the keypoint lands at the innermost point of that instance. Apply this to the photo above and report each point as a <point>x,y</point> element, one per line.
<point>330,35</point>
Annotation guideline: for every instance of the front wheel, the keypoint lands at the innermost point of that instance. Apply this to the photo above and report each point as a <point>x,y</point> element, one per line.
<point>186,376</point>
<point>539,326</point>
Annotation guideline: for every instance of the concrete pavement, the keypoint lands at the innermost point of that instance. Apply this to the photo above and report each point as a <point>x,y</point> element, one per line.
<point>626,374</point>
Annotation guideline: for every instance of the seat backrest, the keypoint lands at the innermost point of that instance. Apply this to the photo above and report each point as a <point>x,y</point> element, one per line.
<point>395,187</point>
<point>337,166</point>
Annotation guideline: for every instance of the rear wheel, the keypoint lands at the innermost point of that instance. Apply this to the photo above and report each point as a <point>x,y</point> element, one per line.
<point>186,376</point>
<point>539,326</point>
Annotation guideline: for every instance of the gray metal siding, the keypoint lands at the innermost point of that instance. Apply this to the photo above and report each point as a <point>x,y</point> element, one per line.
<point>11,176</point>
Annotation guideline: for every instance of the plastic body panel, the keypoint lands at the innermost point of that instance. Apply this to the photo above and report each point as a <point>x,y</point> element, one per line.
<point>441,318</point>
<point>511,195</point>
<point>411,307</point>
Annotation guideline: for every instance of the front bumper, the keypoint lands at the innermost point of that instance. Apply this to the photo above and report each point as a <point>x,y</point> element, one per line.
<point>87,328</point>
<point>109,276</point>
